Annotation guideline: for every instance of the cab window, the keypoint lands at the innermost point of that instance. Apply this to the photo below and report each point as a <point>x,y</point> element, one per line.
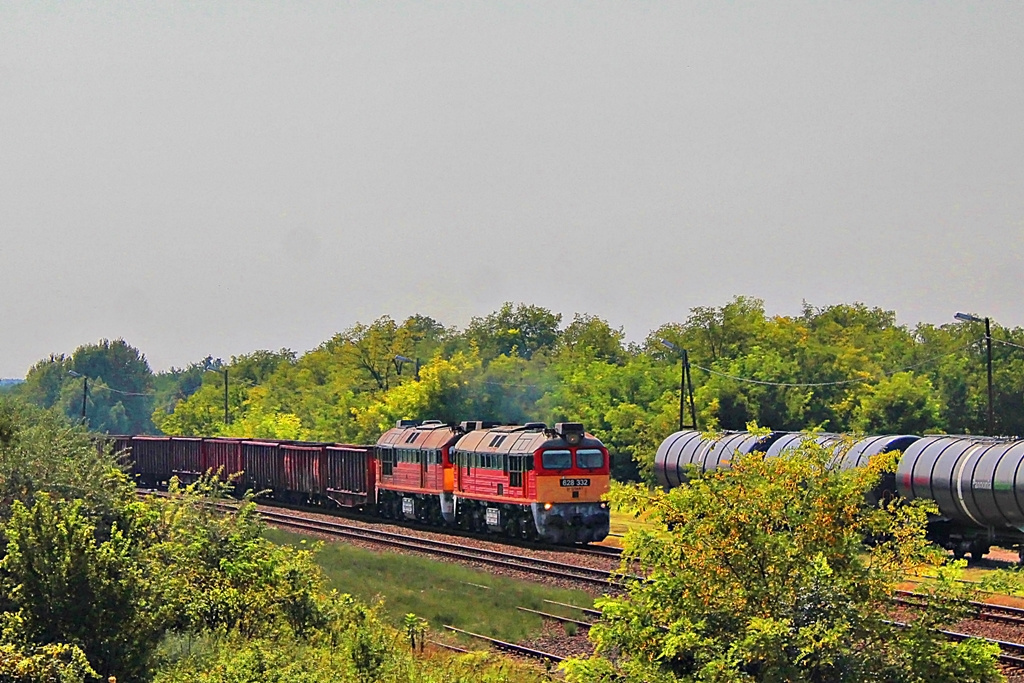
<point>589,458</point>
<point>556,460</point>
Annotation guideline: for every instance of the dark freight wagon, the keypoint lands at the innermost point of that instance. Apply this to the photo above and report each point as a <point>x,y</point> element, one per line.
<point>302,480</point>
<point>222,455</point>
<point>350,475</point>
<point>262,464</point>
<point>187,459</point>
<point>151,460</point>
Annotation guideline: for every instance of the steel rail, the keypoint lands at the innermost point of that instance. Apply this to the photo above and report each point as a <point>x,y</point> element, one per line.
<point>446,646</point>
<point>510,647</point>
<point>556,617</point>
<point>985,610</point>
<point>445,549</point>
<point>610,552</point>
<point>1012,659</point>
<point>435,547</point>
<point>586,610</point>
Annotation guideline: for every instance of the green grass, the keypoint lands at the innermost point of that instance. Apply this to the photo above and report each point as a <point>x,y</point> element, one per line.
<point>441,592</point>
<point>622,522</point>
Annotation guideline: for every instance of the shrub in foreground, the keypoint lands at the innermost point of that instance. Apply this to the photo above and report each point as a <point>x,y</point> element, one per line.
<point>778,570</point>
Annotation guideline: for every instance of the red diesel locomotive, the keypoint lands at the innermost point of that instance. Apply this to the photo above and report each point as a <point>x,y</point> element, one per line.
<point>525,481</point>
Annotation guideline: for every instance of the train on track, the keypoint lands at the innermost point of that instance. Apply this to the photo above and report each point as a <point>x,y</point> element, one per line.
<point>523,481</point>
<point>976,482</point>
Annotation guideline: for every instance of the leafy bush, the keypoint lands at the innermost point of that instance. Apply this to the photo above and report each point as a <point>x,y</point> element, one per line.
<point>761,572</point>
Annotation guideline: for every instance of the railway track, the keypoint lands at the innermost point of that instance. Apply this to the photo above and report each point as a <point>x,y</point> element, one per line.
<point>350,530</point>
<point>445,549</point>
<point>986,611</point>
<point>510,647</point>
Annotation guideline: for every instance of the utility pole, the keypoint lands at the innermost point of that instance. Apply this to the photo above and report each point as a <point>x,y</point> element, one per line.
<point>227,417</point>
<point>685,387</point>
<point>689,385</point>
<point>988,345</point>
<point>967,317</point>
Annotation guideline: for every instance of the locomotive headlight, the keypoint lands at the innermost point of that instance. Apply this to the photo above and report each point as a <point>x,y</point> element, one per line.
<point>547,506</point>
<point>604,505</point>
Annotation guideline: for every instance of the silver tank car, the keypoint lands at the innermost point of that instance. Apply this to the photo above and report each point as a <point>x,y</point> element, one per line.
<point>977,483</point>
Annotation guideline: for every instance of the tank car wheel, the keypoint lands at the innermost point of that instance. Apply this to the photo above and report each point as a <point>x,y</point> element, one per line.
<point>978,550</point>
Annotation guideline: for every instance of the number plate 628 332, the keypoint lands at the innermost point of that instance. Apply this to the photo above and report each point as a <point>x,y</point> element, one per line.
<point>575,482</point>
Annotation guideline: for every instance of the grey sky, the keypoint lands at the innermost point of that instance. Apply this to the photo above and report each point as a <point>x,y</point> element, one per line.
<point>213,178</point>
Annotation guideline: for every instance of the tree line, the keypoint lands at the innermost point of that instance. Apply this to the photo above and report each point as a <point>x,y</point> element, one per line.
<point>842,368</point>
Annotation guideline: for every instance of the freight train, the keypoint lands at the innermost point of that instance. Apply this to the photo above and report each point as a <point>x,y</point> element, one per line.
<point>523,481</point>
<point>976,482</point>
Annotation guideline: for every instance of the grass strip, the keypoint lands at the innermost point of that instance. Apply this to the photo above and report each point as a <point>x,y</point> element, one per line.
<point>440,592</point>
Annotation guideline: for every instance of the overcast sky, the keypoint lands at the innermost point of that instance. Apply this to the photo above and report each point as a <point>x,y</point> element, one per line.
<point>216,177</point>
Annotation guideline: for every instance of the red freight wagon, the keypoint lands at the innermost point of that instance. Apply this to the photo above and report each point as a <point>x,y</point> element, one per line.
<point>262,464</point>
<point>302,478</point>
<point>350,475</point>
<point>151,457</point>
<point>224,455</point>
<point>187,458</point>
<point>120,446</point>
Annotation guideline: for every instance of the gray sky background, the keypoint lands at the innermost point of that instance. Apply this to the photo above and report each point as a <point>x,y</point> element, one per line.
<point>217,177</point>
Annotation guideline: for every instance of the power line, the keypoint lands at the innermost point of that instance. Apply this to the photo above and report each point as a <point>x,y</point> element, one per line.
<point>1006,343</point>
<point>858,380</point>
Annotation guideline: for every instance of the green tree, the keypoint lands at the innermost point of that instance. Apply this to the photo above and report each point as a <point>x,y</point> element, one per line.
<point>761,573</point>
<point>520,329</point>
<point>41,452</point>
<point>120,398</point>
<point>901,404</point>
<point>590,337</point>
<point>69,586</point>
<point>45,380</point>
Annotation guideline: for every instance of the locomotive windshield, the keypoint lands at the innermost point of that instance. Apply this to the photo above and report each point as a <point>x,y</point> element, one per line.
<point>589,458</point>
<point>556,460</point>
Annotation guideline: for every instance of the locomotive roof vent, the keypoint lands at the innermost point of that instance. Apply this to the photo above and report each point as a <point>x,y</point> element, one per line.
<point>572,432</point>
<point>534,426</point>
<point>469,425</point>
<point>429,423</point>
<point>406,423</point>
<point>489,424</point>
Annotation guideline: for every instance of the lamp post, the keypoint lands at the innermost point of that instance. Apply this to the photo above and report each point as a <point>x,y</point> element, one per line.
<point>684,383</point>
<point>400,360</point>
<point>85,389</point>
<point>967,317</point>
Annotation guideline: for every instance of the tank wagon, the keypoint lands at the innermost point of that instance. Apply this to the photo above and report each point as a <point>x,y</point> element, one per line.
<point>977,483</point>
<point>525,481</point>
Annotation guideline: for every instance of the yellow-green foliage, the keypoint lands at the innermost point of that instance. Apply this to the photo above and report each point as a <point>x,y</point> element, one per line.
<point>358,646</point>
<point>54,663</point>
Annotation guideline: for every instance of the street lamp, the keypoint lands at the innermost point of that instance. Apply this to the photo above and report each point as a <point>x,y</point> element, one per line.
<point>967,317</point>
<point>400,360</point>
<point>684,383</point>
<point>85,389</point>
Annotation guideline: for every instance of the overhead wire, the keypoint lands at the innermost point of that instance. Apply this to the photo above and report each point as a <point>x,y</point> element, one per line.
<point>856,380</point>
<point>1006,343</point>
